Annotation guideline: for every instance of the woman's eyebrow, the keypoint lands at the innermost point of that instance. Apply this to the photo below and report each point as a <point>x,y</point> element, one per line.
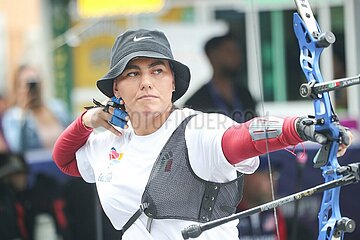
<point>132,66</point>
<point>159,62</point>
<point>153,64</point>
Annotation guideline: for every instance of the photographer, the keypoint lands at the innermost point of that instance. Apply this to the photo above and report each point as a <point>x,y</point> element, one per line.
<point>3,107</point>
<point>26,124</point>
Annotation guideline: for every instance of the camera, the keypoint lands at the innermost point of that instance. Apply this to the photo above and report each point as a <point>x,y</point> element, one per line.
<point>34,93</point>
<point>33,85</point>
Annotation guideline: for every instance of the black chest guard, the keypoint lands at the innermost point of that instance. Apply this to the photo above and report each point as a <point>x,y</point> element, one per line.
<point>175,191</point>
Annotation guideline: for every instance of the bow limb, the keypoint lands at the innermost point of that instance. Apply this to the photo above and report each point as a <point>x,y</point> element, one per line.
<point>311,43</point>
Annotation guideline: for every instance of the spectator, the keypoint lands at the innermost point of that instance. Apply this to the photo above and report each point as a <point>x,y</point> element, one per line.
<point>86,217</point>
<point>14,198</point>
<point>257,191</point>
<point>3,105</point>
<point>26,124</point>
<point>23,208</point>
<point>224,93</point>
<point>48,209</point>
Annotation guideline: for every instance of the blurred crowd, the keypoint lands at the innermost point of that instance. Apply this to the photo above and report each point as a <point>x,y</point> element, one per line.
<point>28,122</point>
<point>44,208</point>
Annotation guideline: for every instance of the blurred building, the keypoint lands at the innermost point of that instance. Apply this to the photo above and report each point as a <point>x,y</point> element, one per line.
<point>24,37</point>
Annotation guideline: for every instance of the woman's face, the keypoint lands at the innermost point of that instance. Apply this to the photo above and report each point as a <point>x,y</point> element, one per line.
<point>146,86</point>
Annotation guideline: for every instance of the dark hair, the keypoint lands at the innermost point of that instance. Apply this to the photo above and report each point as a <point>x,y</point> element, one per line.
<point>19,70</point>
<point>12,163</point>
<point>215,42</point>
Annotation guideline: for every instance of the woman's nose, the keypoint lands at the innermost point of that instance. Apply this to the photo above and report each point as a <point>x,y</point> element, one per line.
<point>145,82</point>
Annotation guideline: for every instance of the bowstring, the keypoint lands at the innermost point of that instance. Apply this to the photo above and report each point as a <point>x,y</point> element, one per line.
<point>261,90</point>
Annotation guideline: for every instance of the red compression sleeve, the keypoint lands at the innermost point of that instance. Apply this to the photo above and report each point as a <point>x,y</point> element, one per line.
<point>238,145</point>
<point>71,140</point>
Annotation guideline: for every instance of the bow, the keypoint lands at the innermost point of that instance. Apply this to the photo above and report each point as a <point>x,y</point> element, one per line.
<point>331,224</point>
<point>312,42</point>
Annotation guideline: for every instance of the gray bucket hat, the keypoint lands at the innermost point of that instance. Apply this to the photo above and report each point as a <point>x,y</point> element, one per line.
<point>143,43</point>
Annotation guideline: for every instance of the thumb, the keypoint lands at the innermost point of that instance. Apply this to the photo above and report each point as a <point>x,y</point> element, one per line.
<point>345,137</point>
<point>320,138</point>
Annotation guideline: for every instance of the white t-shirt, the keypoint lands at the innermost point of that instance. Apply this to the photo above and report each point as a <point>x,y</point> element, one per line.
<point>120,167</point>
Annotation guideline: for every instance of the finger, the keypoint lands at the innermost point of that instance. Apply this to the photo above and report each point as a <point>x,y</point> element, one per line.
<point>93,118</point>
<point>121,114</point>
<point>101,118</point>
<point>116,102</point>
<point>112,129</point>
<point>351,136</point>
<point>104,102</point>
<point>320,138</point>
<point>103,114</point>
<point>341,152</point>
<point>118,122</point>
<point>345,138</point>
<point>106,109</point>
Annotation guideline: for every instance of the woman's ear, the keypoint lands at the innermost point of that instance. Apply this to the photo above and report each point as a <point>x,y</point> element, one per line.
<point>115,89</point>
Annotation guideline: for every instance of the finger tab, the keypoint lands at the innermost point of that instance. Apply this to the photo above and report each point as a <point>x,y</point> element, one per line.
<point>120,113</point>
<point>118,122</point>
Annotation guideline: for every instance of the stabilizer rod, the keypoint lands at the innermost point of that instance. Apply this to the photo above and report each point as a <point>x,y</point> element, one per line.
<point>350,175</point>
<point>312,88</point>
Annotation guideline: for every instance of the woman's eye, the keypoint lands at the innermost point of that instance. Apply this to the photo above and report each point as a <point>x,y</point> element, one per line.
<point>157,71</point>
<point>132,74</point>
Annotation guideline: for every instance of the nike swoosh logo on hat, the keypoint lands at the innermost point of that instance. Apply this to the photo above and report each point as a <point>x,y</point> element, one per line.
<point>140,38</point>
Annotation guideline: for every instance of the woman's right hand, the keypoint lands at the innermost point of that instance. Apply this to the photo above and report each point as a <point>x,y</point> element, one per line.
<point>98,117</point>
